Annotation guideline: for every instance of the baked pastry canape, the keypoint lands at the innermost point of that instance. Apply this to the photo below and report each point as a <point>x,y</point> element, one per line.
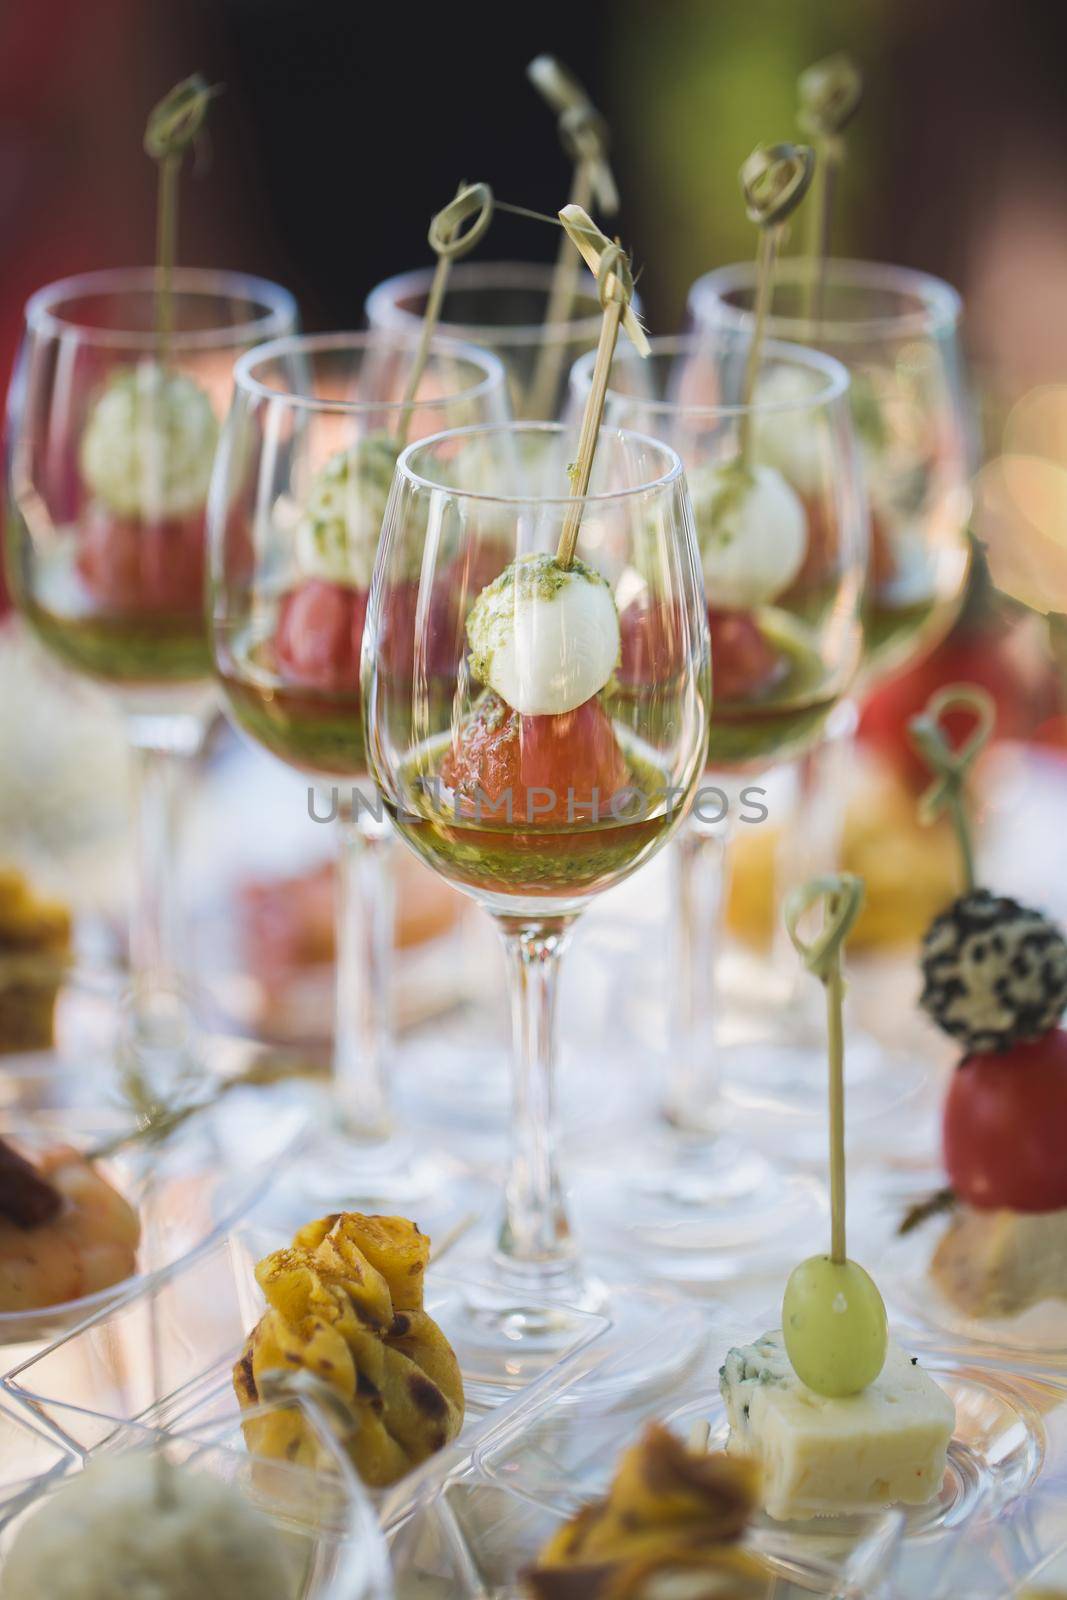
<point>345,1301</point>
<point>670,1525</point>
<point>995,980</point>
<point>838,1416</point>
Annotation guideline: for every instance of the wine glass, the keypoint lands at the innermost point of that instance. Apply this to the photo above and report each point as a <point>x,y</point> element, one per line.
<point>500,306</point>
<point>783,553</point>
<point>302,478</point>
<point>109,452</point>
<point>518,767</point>
<point>897,331</point>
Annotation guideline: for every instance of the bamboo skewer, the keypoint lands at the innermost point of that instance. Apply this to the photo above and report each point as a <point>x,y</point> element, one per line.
<point>473,204</point>
<point>584,135</point>
<point>615,288</point>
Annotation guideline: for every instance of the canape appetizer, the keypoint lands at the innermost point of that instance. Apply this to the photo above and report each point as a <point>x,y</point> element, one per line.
<point>138,1525</point>
<point>995,980</point>
<point>35,950</point>
<point>119,593</point>
<point>765,531</point>
<point>64,1231</point>
<point>145,459</point>
<point>838,1416</point>
<point>670,1525</point>
<point>345,1302</point>
<point>294,680</point>
<point>544,641</point>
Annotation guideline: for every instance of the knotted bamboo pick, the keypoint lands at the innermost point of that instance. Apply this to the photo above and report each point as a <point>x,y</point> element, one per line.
<point>173,125</point>
<point>842,897</point>
<point>830,94</point>
<point>473,204</point>
<point>615,287</point>
<point>774,180</point>
<point>584,136</point>
<point>951,764</point>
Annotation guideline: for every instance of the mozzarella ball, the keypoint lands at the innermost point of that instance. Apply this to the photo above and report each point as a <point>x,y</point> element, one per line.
<point>788,439</point>
<point>337,535</point>
<point>544,637</point>
<point>753,534</point>
<point>106,1532</point>
<point>149,443</point>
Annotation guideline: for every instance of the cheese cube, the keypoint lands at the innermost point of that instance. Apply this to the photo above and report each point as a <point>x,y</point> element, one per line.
<point>822,1457</point>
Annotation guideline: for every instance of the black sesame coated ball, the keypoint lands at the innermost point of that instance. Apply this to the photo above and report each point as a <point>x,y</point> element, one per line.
<point>994,972</point>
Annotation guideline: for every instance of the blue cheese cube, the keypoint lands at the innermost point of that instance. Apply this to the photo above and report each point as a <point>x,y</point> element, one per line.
<point>821,1457</point>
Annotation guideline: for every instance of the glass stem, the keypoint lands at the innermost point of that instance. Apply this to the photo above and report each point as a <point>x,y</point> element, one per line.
<point>162,749</point>
<point>694,1100</point>
<point>365,932</point>
<point>161,1026</point>
<point>535,1245</point>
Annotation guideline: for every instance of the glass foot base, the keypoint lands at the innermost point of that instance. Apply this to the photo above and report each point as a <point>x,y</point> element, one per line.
<point>507,1335</point>
<point>698,1211</point>
<point>789,1079</point>
<point>391,1177</point>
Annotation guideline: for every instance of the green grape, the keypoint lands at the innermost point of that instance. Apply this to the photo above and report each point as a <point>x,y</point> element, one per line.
<point>834,1326</point>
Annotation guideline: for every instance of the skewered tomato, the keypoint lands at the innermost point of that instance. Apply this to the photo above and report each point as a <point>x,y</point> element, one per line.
<point>1005,1124</point>
<point>551,765</point>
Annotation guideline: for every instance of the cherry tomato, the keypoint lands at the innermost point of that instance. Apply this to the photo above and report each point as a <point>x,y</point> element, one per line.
<point>743,663</point>
<point>320,634</point>
<point>130,565</point>
<point>1005,1127</point>
<point>565,757</point>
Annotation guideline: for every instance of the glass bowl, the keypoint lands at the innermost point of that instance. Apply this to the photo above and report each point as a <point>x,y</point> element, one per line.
<point>1009,1449</point>
<point>202,1180</point>
<point>322,1514</point>
<point>99,1377</point>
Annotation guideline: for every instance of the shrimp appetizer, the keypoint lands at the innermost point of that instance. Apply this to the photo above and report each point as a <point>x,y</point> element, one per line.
<point>64,1231</point>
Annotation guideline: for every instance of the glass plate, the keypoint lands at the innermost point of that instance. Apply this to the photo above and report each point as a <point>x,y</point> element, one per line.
<point>1009,1450</point>
<point>205,1178</point>
<point>1036,1338</point>
<point>474,1540</point>
<point>99,1376</point>
<point>327,1527</point>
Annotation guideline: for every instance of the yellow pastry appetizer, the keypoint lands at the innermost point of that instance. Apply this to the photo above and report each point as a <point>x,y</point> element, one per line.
<point>34,954</point>
<point>345,1302</point>
<point>669,1525</point>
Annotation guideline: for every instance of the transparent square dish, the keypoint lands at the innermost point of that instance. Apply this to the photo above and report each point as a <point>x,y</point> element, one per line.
<point>474,1540</point>
<point>330,1540</point>
<point>101,1375</point>
<point>27,1454</point>
<point>206,1177</point>
<point>1009,1450</point>
<point>1035,1339</point>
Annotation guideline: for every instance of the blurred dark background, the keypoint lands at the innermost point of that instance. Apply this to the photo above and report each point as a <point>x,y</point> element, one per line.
<point>345,125</point>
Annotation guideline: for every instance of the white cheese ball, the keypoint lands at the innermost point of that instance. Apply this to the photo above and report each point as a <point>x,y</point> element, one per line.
<point>149,443</point>
<point>753,534</point>
<point>105,1533</point>
<point>544,637</point>
<point>337,535</point>
<point>788,439</point>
